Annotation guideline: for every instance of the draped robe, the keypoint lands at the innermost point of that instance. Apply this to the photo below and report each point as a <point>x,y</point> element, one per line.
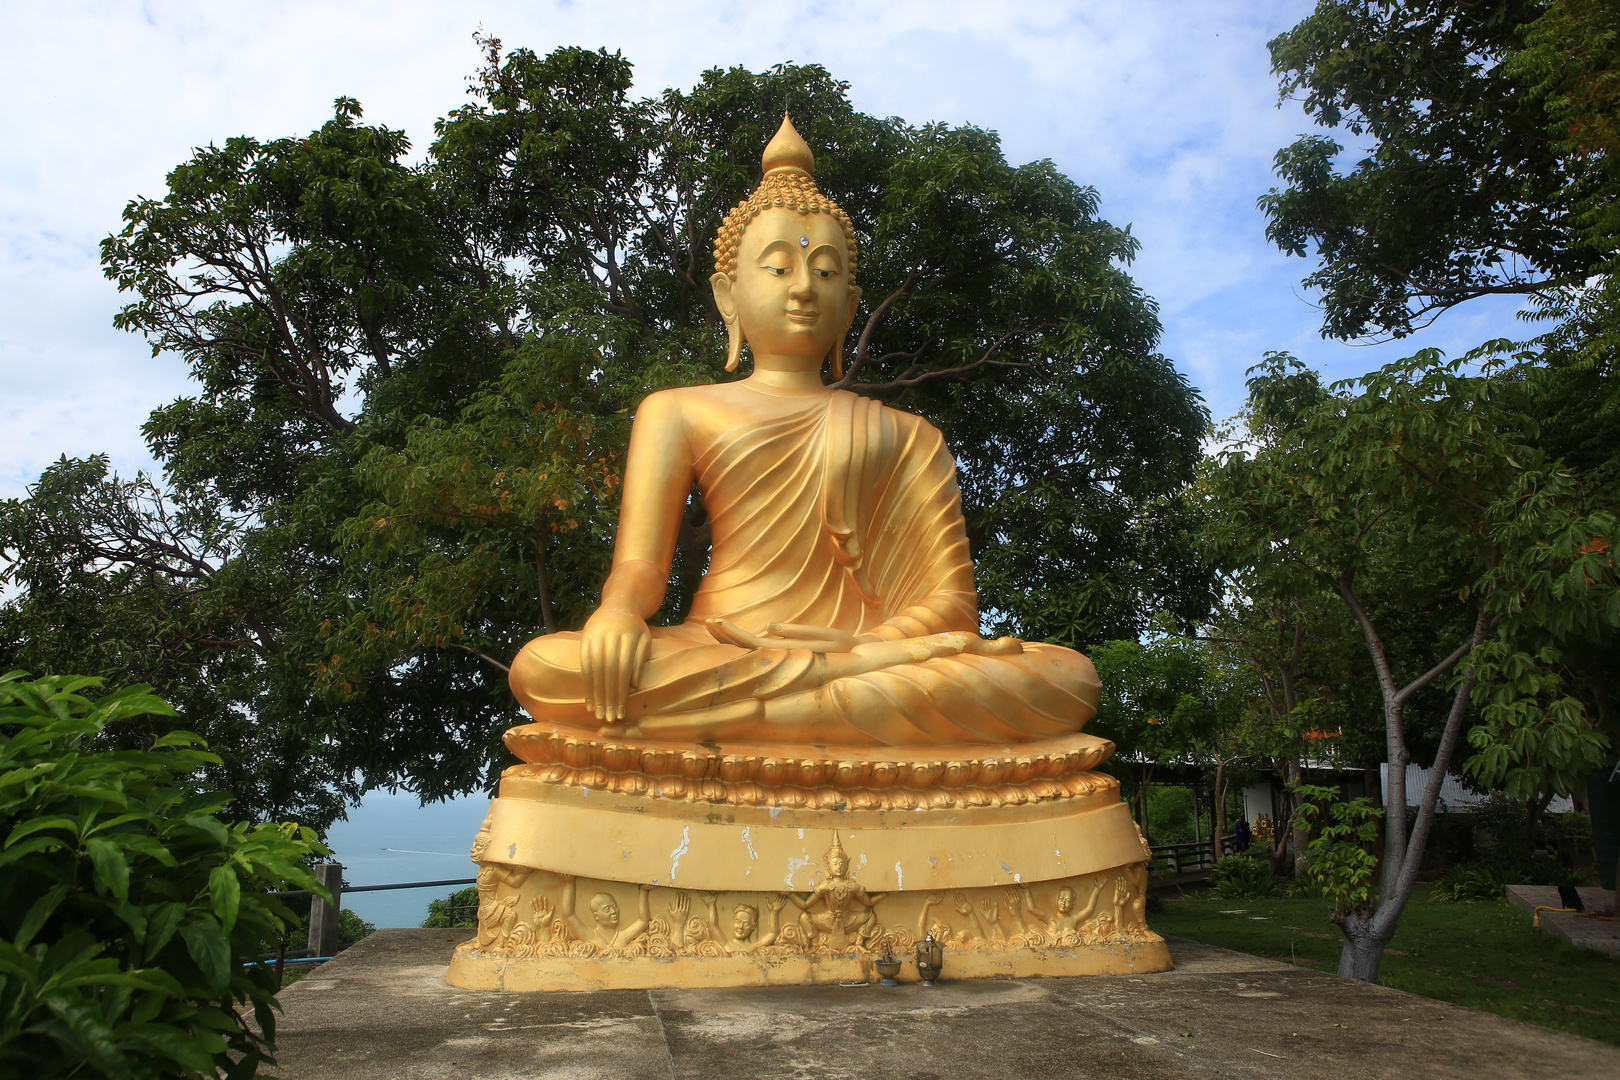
<point>844,514</point>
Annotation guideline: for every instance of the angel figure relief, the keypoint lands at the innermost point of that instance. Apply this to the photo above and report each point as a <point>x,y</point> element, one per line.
<point>848,918</point>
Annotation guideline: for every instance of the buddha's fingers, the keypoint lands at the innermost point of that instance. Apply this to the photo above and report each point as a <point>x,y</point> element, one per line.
<point>590,670</point>
<point>729,633</point>
<point>638,663</point>
<point>1001,646</point>
<point>621,683</point>
<point>609,679</point>
<point>816,638</point>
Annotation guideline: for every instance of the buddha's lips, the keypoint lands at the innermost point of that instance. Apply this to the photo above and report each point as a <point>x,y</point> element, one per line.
<point>806,317</point>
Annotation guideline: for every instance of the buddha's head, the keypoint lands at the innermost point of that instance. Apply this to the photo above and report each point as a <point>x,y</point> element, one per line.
<point>744,922</point>
<point>784,260</point>
<point>1065,900</point>
<point>605,910</point>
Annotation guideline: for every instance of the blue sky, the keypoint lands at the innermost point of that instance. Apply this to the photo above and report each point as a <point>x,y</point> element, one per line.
<point>1167,108</point>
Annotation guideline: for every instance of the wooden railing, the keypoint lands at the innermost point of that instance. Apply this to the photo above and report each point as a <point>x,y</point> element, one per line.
<point>1187,858</point>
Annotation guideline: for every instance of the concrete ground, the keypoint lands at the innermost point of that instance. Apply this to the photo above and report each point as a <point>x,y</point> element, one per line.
<point>1596,929</point>
<point>382,1011</point>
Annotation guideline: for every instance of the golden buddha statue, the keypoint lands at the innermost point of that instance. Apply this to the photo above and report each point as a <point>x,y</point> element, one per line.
<point>838,607</point>
<point>830,676</point>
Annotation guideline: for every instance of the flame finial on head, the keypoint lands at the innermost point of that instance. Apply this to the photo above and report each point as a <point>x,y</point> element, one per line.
<point>787,150</point>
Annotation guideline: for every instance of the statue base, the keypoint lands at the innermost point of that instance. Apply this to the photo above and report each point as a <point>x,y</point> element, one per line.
<point>478,969</point>
<point>586,888</point>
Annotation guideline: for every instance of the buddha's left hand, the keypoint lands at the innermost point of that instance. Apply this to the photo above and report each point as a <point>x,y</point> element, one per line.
<point>873,651</point>
<point>784,636</point>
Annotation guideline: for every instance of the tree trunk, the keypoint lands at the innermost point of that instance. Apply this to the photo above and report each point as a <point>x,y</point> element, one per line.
<point>541,582</point>
<point>1218,813</point>
<point>1301,838</point>
<point>1534,810</point>
<point>1375,791</point>
<point>1366,933</point>
<point>1363,948</point>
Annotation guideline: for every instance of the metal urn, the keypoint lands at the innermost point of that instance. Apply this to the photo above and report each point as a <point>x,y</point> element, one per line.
<point>930,959</point>
<point>888,966</point>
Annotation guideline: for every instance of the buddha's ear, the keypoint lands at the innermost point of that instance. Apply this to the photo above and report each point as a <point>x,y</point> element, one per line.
<point>727,305</point>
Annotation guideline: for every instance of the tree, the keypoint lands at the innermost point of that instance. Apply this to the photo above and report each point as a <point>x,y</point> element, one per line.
<point>1423,484</point>
<point>1465,191</point>
<point>1489,169</point>
<point>1164,702</point>
<point>415,383</point>
<point>130,580</point>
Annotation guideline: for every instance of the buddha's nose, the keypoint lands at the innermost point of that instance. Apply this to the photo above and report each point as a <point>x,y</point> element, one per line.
<point>804,284</point>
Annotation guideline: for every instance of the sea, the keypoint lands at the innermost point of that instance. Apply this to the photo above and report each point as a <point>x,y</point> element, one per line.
<point>390,837</point>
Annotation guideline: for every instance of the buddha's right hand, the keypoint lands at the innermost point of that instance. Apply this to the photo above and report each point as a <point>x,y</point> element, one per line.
<point>612,649</point>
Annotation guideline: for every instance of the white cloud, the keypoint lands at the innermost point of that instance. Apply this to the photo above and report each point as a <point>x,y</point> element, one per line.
<point>1167,108</point>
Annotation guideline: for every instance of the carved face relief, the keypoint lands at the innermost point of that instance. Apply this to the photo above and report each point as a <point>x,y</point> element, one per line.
<point>1065,900</point>
<point>837,863</point>
<point>744,923</point>
<point>792,291</point>
<point>605,910</point>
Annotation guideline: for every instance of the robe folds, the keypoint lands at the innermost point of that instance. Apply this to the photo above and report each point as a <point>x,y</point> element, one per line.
<point>845,514</point>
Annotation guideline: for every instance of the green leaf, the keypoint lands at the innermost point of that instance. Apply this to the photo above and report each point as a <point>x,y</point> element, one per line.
<point>38,912</point>
<point>225,890</point>
<point>111,868</point>
<point>169,1042</point>
<point>28,828</point>
<point>208,947</point>
<point>162,922</point>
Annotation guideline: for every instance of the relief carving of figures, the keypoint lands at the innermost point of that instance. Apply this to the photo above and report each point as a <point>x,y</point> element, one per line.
<point>1063,927</point>
<point>848,917</point>
<point>604,930</point>
<point>498,884</point>
<point>943,933</point>
<point>1130,901</point>
<point>565,918</point>
<point>745,936</point>
<point>986,908</point>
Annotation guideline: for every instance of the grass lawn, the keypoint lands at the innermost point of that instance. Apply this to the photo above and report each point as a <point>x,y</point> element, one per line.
<point>1484,955</point>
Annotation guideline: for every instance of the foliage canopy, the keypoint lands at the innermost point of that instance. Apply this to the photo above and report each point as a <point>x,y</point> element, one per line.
<point>415,383</point>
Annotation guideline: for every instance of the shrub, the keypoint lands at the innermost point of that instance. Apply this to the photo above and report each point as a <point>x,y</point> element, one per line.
<point>1242,877</point>
<point>1307,886</point>
<point>126,907</point>
<point>351,928</point>
<point>1340,866</point>
<point>1470,882</point>
<point>460,908</point>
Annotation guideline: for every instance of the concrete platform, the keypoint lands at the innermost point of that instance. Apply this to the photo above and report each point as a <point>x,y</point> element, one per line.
<point>1596,929</point>
<point>383,1010</point>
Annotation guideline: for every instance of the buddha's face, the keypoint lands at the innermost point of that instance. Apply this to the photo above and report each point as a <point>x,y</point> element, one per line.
<point>837,863</point>
<point>791,293</point>
<point>1065,901</point>
<point>605,910</point>
<point>744,922</point>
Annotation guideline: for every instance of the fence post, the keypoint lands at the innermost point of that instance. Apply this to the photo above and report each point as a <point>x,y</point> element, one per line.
<point>323,917</point>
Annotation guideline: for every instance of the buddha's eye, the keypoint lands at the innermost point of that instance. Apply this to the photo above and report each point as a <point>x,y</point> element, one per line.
<point>777,270</point>
<point>823,273</point>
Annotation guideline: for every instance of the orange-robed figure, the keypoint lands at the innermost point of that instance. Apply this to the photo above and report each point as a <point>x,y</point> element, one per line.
<point>838,607</point>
